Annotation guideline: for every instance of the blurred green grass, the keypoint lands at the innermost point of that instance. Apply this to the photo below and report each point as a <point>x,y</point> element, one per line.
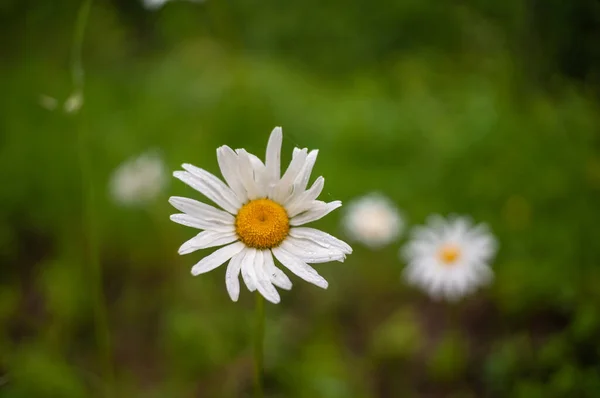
<point>436,133</point>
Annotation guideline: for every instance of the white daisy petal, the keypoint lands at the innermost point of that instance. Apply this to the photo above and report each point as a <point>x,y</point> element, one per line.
<point>278,278</point>
<point>232,276</point>
<point>257,164</point>
<point>299,267</point>
<point>449,258</point>
<point>229,165</point>
<point>317,211</point>
<point>194,222</point>
<point>262,280</point>
<point>302,202</point>
<point>426,234</point>
<point>283,189</point>
<point>248,177</point>
<point>247,263</point>
<point>320,238</point>
<point>310,252</point>
<point>201,210</point>
<point>301,181</point>
<point>260,175</point>
<point>217,258</point>
<point>273,156</point>
<point>215,184</point>
<point>206,239</point>
<point>224,198</point>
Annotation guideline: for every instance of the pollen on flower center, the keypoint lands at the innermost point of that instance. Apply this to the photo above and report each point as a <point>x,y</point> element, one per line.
<point>449,254</point>
<point>262,224</point>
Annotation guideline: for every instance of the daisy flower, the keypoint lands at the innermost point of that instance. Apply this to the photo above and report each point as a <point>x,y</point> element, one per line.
<point>261,219</point>
<point>138,180</point>
<point>373,220</point>
<point>449,258</point>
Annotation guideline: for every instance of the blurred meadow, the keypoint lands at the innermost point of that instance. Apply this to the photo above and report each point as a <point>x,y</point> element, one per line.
<point>484,108</point>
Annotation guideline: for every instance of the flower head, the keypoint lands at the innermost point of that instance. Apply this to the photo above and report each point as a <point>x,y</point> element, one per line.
<point>138,180</point>
<point>449,258</point>
<point>373,220</point>
<point>261,218</point>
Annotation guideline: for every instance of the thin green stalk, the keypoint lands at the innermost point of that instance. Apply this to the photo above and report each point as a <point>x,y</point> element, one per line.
<point>259,338</point>
<point>77,73</point>
<point>101,325</point>
<point>89,221</point>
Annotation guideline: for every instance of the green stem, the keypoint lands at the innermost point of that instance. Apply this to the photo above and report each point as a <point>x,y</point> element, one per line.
<point>89,222</point>
<point>101,325</point>
<point>77,74</point>
<point>259,338</point>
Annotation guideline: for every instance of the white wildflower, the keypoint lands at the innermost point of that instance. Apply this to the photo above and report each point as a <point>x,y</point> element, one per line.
<point>373,220</point>
<point>138,180</point>
<point>449,258</point>
<point>262,217</point>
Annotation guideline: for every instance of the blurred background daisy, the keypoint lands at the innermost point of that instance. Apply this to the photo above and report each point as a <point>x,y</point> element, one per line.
<point>483,108</point>
<point>372,220</point>
<point>449,258</point>
<point>139,180</point>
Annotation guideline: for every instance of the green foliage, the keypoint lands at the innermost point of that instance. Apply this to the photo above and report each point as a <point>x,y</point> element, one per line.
<point>398,336</point>
<point>449,361</point>
<point>443,108</point>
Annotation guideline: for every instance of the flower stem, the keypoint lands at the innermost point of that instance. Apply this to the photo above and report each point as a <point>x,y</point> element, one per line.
<point>259,338</point>
<point>89,220</point>
<point>77,74</point>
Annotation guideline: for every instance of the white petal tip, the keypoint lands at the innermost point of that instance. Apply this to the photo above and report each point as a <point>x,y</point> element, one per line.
<point>180,174</point>
<point>320,282</point>
<point>186,249</point>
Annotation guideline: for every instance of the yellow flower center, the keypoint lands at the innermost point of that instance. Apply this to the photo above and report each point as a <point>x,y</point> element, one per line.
<point>262,224</point>
<point>449,254</point>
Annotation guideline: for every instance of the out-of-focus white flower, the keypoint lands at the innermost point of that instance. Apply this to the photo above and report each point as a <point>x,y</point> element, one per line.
<point>373,220</point>
<point>47,102</point>
<point>449,258</point>
<point>262,217</point>
<point>138,180</point>
<point>156,4</point>
<point>74,103</point>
